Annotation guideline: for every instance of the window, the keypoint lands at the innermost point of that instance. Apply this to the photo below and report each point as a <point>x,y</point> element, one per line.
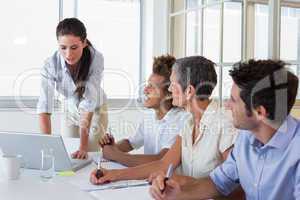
<point>114,29</point>
<point>290,38</point>
<point>28,38</point>
<point>211,32</point>
<point>232,36</point>
<point>193,33</point>
<point>219,31</point>
<point>212,29</point>
<point>177,33</point>
<point>261,31</point>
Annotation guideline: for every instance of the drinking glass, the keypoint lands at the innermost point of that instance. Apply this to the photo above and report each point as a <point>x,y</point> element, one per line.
<point>47,170</point>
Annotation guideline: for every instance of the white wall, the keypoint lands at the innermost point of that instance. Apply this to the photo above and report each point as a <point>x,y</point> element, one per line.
<point>24,122</point>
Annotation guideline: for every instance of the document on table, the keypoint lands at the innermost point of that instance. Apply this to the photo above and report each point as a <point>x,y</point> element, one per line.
<point>85,185</point>
<point>130,193</point>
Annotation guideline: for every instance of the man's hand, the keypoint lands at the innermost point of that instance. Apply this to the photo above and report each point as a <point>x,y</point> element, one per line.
<point>110,151</point>
<point>171,191</point>
<point>108,176</point>
<point>107,139</point>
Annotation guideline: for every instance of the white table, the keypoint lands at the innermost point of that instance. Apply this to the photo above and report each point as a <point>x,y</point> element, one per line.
<point>30,187</point>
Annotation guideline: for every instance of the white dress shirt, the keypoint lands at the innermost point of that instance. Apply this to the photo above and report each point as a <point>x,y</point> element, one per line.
<point>155,134</point>
<point>55,76</point>
<point>218,134</point>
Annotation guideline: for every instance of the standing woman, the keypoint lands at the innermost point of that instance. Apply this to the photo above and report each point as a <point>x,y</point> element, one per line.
<point>75,72</point>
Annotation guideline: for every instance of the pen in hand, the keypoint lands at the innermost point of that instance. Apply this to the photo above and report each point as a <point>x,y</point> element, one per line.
<point>99,172</point>
<point>110,136</point>
<point>107,139</point>
<point>168,175</point>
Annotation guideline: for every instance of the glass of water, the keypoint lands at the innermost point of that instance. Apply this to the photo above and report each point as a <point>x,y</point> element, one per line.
<point>47,170</point>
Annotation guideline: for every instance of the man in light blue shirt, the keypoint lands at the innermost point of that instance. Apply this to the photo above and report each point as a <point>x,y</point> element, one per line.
<point>265,161</point>
<point>267,171</point>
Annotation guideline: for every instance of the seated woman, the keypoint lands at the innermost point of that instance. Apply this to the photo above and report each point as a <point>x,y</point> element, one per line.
<point>207,135</point>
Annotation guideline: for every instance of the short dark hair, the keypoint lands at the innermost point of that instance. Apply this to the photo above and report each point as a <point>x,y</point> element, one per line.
<point>197,71</point>
<point>266,83</point>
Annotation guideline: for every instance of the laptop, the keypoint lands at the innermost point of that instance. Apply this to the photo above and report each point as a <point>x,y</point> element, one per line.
<point>29,145</point>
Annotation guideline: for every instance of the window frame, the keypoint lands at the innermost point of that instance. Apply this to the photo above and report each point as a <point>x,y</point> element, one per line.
<point>248,31</point>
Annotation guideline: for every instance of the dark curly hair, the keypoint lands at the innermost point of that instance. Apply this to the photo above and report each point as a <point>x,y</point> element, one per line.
<point>162,65</point>
<point>266,83</point>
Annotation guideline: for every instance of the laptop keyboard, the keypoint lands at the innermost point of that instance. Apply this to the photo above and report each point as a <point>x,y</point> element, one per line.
<point>76,161</point>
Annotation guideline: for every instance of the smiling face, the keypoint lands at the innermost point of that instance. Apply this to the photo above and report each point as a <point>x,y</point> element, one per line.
<point>178,95</point>
<point>154,91</point>
<point>71,48</point>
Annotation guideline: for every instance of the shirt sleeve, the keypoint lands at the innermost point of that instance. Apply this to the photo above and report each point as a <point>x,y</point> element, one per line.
<point>46,98</point>
<point>137,140</point>
<point>94,94</point>
<point>228,132</point>
<point>225,176</point>
<point>297,183</point>
<point>173,128</point>
<point>168,138</point>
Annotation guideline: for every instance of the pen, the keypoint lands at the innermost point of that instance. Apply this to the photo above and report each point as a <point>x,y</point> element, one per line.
<point>128,186</point>
<point>99,172</point>
<point>110,136</point>
<point>168,175</point>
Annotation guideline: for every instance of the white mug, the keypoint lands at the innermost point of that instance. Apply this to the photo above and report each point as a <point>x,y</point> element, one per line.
<point>11,166</point>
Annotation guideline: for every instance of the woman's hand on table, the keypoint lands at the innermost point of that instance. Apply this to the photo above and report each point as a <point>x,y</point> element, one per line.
<point>108,176</point>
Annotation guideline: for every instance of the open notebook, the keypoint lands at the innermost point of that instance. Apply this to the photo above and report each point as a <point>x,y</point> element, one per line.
<point>85,185</point>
